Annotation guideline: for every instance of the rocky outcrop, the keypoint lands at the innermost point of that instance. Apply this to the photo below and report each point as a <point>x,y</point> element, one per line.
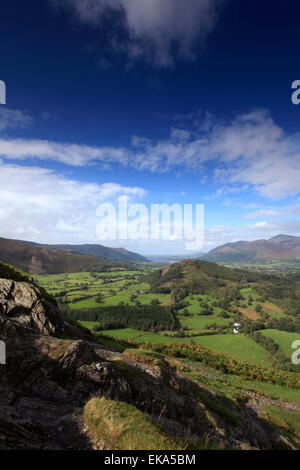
<point>24,303</point>
<point>45,384</point>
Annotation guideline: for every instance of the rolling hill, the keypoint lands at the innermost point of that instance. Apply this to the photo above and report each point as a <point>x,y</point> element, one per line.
<point>281,247</point>
<point>198,277</point>
<point>36,259</point>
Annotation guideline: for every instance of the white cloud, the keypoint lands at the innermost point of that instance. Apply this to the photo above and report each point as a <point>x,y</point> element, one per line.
<point>41,205</point>
<point>153,27</point>
<point>250,151</point>
<point>255,151</point>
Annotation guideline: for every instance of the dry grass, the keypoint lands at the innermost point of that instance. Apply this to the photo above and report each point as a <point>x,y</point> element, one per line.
<point>249,313</point>
<point>120,426</point>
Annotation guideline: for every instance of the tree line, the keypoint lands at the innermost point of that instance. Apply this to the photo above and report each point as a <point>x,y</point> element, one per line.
<point>140,317</point>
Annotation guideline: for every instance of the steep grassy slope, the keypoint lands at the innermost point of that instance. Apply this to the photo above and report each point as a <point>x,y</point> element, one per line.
<point>221,398</point>
<point>122,427</point>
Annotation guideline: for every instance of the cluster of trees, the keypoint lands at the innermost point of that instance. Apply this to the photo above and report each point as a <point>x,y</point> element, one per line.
<point>224,314</point>
<point>284,324</point>
<point>141,317</point>
<point>290,325</point>
<point>228,294</point>
<point>250,327</point>
<point>178,293</point>
<point>218,271</point>
<point>65,300</point>
<point>61,293</point>
<point>265,342</point>
<point>159,279</point>
<point>279,359</point>
<point>206,309</point>
<point>284,292</point>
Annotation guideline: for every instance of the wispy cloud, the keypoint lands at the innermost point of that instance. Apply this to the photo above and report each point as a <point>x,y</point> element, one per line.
<point>14,119</point>
<point>264,213</point>
<point>290,211</point>
<point>68,153</point>
<point>159,31</point>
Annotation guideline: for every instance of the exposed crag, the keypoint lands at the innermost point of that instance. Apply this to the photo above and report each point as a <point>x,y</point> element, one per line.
<point>23,302</point>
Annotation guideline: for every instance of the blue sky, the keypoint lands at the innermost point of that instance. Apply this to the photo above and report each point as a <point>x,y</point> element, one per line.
<point>164,101</point>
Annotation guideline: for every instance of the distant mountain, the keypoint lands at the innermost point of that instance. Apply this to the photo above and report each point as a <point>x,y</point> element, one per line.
<point>37,259</point>
<point>281,247</point>
<point>97,251</point>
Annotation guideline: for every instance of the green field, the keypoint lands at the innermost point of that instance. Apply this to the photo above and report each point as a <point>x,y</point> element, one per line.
<point>238,346</point>
<point>284,340</point>
<point>80,290</point>
<point>200,322</point>
<point>141,336</point>
<point>197,322</point>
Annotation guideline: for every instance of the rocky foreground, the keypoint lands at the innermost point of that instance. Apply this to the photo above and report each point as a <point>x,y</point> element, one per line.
<point>48,380</point>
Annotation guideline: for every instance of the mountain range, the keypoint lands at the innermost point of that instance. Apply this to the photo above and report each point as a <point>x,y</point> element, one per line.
<point>278,248</point>
<point>36,258</point>
<point>52,259</point>
<point>98,251</point>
